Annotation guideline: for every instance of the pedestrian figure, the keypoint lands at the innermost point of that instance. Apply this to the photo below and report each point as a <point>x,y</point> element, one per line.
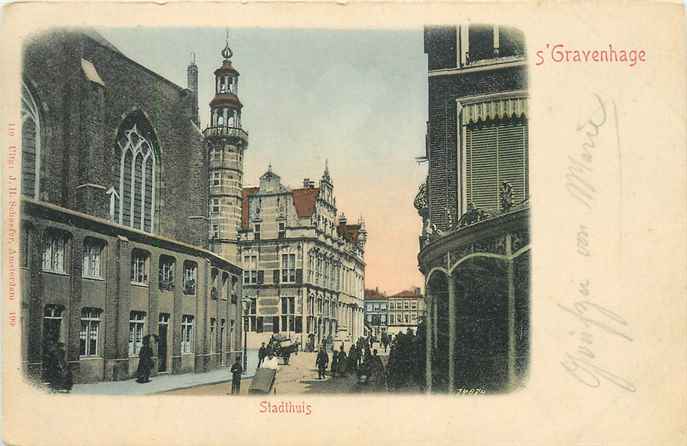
<point>145,362</point>
<point>341,361</point>
<point>353,359</point>
<point>272,363</point>
<point>262,352</point>
<point>236,372</point>
<point>322,363</point>
<point>335,363</point>
<point>377,371</point>
<point>58,373</point>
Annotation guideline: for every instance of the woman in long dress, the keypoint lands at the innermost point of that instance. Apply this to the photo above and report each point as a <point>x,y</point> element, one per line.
<point>145,362</point>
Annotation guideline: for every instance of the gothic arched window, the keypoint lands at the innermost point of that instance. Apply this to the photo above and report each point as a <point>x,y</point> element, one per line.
<point>137,172</point>
<point>31,139</point>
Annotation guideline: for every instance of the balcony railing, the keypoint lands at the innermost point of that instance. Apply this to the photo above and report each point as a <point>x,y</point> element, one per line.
<point>227,132</point>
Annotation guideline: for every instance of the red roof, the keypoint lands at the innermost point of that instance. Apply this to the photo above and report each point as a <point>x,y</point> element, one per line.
<point>374,295</point>
<point>244,204</point>
<point>304,201</point>
<point>413,292</point>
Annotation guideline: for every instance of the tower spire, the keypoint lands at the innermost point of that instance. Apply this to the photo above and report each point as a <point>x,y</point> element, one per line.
<point>325,175</point>
<point>226,52</point>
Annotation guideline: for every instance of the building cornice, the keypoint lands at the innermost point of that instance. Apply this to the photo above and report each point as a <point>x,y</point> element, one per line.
<point>491,66</point>
<point>31,207</point>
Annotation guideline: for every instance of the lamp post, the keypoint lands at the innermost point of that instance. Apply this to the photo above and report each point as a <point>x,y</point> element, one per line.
<point>244,305</point>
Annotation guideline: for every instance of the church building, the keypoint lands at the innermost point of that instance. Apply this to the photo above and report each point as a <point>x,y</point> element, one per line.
<point>121,240</point>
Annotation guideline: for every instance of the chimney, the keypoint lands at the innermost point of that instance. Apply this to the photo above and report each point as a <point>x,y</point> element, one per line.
<point>342,219</point>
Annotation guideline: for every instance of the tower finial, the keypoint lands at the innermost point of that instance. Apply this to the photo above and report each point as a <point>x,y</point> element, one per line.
<point>325,175</point>
<point>226,52</point>
<point>193,57</point>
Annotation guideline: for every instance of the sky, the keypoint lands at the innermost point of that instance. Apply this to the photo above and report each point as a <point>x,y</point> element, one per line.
<point>355,98</point>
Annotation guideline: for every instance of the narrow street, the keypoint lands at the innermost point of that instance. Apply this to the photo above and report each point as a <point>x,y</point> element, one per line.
<point>299,377</point>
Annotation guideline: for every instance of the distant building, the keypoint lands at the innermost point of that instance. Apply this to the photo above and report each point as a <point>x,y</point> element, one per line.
<point>114,227</point>
<point>406,309</point>
<point>376,312</point>
<point>475,241</point>
<point>304,271</point>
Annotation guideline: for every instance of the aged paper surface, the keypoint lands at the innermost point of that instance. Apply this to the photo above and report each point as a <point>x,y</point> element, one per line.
<point>607,195</point>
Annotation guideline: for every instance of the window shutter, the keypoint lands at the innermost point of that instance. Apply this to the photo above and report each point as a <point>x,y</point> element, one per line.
<point>275,276</point>
<point>482,175</point>
<point>261,276</point>
<point>512,141</point>
<point>299,276</point>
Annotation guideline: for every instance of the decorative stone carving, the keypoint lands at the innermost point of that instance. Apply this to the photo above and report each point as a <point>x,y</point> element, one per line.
<point>506,196</point>
<point>472,215</point>
<point>519,239</point>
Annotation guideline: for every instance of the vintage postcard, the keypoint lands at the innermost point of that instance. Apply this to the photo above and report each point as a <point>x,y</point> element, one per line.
<point>352,223</point>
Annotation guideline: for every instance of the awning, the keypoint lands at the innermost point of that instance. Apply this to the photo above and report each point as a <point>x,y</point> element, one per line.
<point>494,109</point>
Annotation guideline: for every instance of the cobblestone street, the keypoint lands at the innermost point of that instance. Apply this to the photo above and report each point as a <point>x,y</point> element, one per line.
<point>299,377</point>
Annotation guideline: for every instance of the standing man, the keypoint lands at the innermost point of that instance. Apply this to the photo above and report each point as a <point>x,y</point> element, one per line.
<point>335,362</point>
<point>322,363</point>
<point>262,352</point>
<point>236,371</point>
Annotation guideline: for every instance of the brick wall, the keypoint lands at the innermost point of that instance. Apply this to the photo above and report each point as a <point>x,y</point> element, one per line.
<point>443,128</point>
<point>81,120</point>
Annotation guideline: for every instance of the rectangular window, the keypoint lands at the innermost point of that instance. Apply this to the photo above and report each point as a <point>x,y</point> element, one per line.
<point>288,268</point>
<point>92,255</point>
<point>250,265</point>
<point>288,313</point>
<point>275,324</point>
<point>137,321</point>
<point>88,335</point>
<point>256,232</point>
<point>190,277</point>
<point>282,230</point>
<point>186,334</point>
<point>226,289</point>
<point>481,38</point>
<point>52,323</point>
<point>495,154</point>
<point>139,267</point>
<point>214,232</point>
<point>216,178</point>
<point>54,251</point>
<point>167,266</point>
<point>214,206</point>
